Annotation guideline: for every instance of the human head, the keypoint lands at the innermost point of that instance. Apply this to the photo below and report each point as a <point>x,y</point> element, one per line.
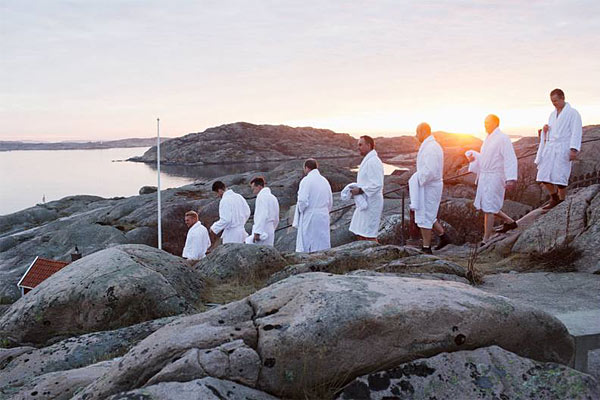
<point>219,188</point>
<point>365,145</point>
<point>491,123</point>
<point>423,131</point>
<point>191,217</point>
<point>309,165</point>
<point>557,97</point>
<point>257,184</point>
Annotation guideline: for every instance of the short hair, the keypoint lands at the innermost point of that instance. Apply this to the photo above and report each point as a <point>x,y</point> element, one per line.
<point>425,126</point>
<point>495,118</point>
<point>311,163</point>
<point>218,185</point>
<point>369,140</point>
<point>258,181</point>
<point>558,93</point>
<point>191,214</point>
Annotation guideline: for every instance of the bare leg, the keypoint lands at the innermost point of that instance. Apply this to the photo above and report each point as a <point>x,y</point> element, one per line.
<point>505,217</point>
<point>426,233</point>
<point>488,226</point>
<point>562,193</point>
<point>438,228</point>
<point>550,187</point>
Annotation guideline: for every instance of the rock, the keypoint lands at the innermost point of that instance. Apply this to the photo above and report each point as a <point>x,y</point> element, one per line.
<point>316,330</point>
<point>62,385</point>
<point>241,261</point>
<point>7,355</point>
<point>485,373</point>
<point>27,363</point>
<point>147,190</point>
<point>244,142</point>
<point>200,389</point>
<point>435,276</point>
<point>117,287</point>
<point>423,263</point>
<point>351,256</point>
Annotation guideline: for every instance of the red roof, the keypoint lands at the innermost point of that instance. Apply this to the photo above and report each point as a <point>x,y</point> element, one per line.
<point>39,271</point>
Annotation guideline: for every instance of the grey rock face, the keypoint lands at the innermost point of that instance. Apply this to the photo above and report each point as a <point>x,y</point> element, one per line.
<point>486,373</point>
<point>241,261</point>
<point>200,389</point>
<point>147,190</point>
<point>314,330</point>
<point>109,289</point>
<point>22,364</point>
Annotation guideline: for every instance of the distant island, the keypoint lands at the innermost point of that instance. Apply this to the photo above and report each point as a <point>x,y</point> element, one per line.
<point>108,144</point>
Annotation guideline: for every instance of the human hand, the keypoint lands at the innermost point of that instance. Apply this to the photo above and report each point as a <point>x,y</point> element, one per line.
<point>546,128</point>
<point>256,238</point>
<point>510,184</point>
<point>573,155</point>
<point>470,157</point>
<point>355,191</point>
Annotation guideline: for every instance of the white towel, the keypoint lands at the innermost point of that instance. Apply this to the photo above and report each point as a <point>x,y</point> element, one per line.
<point>359,200</point>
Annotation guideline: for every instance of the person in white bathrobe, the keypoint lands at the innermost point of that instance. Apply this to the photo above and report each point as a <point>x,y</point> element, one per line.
<point>425,188</point>
<point>496,169</point>
<point>311,216</point>
<point>369,182</point>
<point>197,240</point>
<point>266,214</point>
<point>233,214</point>
<point>560,142</point>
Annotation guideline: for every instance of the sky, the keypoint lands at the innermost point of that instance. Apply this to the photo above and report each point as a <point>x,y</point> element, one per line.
<point>106,69</point>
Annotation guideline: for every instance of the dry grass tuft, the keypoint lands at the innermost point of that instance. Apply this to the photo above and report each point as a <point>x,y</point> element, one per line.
<point>559,259</point>
<point>473,274</point>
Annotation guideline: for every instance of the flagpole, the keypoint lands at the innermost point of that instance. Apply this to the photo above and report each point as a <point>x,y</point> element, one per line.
<point>158,191</point>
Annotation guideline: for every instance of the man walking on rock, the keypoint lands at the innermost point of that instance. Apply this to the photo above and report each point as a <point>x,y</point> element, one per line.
<point>496,169</point>
<point>311,217</point>
<point>365,222</point>
<point>560,141</point>
<point>233,214</point>
<point>425,188</point>
<point>197,240</point>
<point>266,214</point>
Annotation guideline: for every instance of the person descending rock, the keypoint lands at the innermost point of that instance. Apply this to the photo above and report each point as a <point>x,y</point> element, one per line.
<point>311,217</point>
<point>369,182</point>
<point>560,141</point>
<point>266,214</point>
<point>233,214</point>
<point>425,187</point>
<point>197,240</point>
<point>496,169</point>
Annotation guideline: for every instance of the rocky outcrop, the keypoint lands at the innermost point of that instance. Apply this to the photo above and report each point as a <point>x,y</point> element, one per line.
<point>315,330</point>
<point>21,365</point>
<point>245,142</point>
<point>116,287</point>
<point>240,261</point>
<point>205,389</point>
<point>486,373</point>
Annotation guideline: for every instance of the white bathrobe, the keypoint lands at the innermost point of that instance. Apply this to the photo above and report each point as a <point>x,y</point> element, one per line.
<point>370,179</point>
<point>563,135</point>
<point>426,184</point>
<point>233,214</point>
<point>266,218</point>
<point>360,201</point>
<point>496,164</point>
<point>196,242</point>
<point>312,213</point>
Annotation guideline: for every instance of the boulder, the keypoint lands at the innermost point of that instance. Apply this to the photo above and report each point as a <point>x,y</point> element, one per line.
<point>318,330</point>
<point>23,364</point>
<point>147,190</point>
<point>240,261</point>
<point>200,389</point>
<point>486,373</point>
<point>116,287</point>
<point>61,385</point>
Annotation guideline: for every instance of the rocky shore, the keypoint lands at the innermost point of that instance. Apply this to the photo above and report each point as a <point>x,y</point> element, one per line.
<point>359,321</point>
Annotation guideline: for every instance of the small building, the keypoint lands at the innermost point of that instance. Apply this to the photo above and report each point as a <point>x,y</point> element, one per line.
<point>39,270</point>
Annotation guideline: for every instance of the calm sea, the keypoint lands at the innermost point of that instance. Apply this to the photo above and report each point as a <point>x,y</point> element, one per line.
<point>27,177</point>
